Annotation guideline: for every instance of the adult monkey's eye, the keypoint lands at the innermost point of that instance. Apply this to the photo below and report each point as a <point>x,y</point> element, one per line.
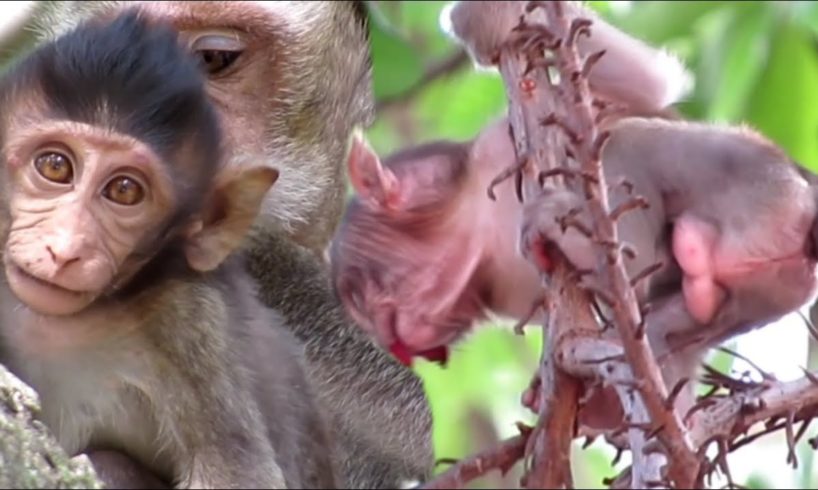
<point>55,167</point>
<point>217,52</point>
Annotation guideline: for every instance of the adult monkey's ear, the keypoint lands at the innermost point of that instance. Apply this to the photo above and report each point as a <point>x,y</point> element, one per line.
<point>230,212</point>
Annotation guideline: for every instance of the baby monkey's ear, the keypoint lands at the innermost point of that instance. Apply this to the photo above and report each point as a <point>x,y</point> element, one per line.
<point>228,215</point>
<point>377,186</point>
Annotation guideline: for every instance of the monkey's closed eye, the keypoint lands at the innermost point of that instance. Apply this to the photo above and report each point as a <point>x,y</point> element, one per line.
<point>124,190</point>
<point>55,167</point>
<point>217,53</point>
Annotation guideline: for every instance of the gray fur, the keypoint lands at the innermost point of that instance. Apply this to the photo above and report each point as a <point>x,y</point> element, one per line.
<point>378,407</point>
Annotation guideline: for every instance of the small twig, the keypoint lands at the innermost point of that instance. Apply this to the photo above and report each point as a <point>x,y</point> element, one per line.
<point>550,449</point>
<point>645,273</point>
<point>501,457</point>
<point>670,403</point>
<point>810,376</point>
<point>788,429</point>
<point>764,374</point>
<point>635,203</point>
<point>565,172</point>
<point>444,67</point>
<point>512,171</point>
<point>810,326</point>
<point>722,461</point>
<point>733,415</point>
<point>539,304</point>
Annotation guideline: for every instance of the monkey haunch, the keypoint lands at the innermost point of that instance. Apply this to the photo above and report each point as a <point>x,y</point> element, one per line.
<point>423,253</point>
<point>121,301</point>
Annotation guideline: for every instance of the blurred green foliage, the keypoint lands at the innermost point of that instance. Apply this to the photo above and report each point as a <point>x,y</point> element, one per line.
<point>754,63</point>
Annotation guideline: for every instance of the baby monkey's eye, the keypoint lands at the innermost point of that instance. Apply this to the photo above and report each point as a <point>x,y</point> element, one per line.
<point>124,190</point>
<point>54,166</point>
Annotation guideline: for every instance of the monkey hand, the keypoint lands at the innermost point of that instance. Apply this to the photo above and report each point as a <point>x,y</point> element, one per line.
<point>557,218</point>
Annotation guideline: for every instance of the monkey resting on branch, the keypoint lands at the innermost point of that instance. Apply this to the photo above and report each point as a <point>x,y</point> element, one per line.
<point>423,253</point>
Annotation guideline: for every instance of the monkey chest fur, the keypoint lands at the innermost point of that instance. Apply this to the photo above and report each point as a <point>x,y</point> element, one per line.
<point>94,394</point>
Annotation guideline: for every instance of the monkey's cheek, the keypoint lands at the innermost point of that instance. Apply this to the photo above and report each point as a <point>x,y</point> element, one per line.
<point>43,297</point>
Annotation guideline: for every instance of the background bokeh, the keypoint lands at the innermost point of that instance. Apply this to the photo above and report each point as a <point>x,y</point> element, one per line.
<point>754,63</point>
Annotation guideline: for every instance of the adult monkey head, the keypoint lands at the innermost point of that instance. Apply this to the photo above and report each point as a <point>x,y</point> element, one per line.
<point>291,81</point>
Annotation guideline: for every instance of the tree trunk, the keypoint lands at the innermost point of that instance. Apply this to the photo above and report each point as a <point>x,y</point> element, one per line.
<point>29,455</point>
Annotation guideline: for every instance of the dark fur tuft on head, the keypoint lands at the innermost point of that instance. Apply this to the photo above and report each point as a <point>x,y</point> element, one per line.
<point>128,75</point>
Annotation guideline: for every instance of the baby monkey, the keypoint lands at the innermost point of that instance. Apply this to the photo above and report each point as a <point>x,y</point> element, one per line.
<point>122,300</point>
<point>423,253</point>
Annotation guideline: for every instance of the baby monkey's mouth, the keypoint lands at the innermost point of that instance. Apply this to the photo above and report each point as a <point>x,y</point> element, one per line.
<point>43,296</point>
<point>405,356</point>
<point>42,282</point>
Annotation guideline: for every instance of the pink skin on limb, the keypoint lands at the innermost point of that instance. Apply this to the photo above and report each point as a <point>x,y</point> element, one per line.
<point>693,245</point>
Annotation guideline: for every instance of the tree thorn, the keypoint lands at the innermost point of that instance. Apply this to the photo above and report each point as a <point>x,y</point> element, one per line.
<point>638,202</point>
<point>554,120</point>
<point>674,393</point>
<point>517,168</point>
<point>579,26</point>
<point>599,144</point>
<point>645,273</point>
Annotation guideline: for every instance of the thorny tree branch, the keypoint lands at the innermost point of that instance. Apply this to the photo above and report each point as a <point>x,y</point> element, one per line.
<point>626,313</point>
<point>548,453</point>
<point>550,448</point>
<point>566,106</point>
<point>501,457</point>
<point>576,349</point>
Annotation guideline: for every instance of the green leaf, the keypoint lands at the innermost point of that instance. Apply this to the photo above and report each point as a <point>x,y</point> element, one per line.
<point>757,481</point>
<point>806,13</point>
<point>460,105</point>
<point>395,64</point>
<point>421,21</point>
<point>739,60</point>
<point>785,99</point>
<point>657,22</point>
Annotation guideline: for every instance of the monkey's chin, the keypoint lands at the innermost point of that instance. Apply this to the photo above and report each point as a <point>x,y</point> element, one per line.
<point>43,297</point>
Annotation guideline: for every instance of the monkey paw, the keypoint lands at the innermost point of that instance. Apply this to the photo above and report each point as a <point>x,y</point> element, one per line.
<point>556,219</point>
